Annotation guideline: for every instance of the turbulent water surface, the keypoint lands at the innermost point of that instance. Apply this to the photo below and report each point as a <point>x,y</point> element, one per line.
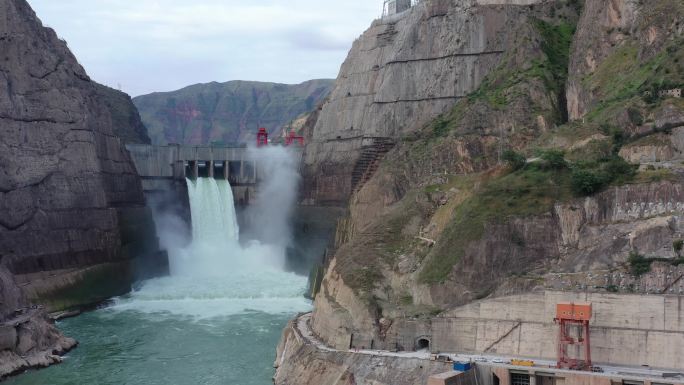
<point>216,320</point>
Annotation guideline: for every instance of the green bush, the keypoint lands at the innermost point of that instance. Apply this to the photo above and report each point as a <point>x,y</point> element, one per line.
<point>514,159</point>
<point>587,182</point>
<point>440,127</point>
<point>618,170</point>
<point>590,177</point>
<point>677,246</point>
<point>638,264</point>
<point>554,159</point>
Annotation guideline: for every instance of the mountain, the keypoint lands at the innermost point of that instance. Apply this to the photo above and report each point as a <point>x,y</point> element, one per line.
<point>227,112</point>
<point>497,157</point>
<point>73,221</point>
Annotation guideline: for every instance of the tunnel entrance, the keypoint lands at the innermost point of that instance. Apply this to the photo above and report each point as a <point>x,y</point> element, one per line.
<point>423,343</point>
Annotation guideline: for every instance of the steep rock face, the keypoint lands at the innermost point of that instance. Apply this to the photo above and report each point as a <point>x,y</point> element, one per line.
<point>400,74</point>
<point>227,112</point>
<point>72,213</point>
<point>366,284</point>
<point>607,27</point>
<point>126,121</point>
<point>444,221</point>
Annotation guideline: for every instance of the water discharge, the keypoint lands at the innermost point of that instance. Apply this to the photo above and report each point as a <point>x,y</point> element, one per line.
<point>216,319</point>
<point>216,275</point>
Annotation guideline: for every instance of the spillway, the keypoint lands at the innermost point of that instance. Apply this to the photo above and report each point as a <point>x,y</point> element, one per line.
<point>213,210</point>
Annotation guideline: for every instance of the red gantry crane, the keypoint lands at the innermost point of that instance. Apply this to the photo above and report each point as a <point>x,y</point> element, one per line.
<point>293,138</point>
<point>573,319</point>
<point>262,137</point>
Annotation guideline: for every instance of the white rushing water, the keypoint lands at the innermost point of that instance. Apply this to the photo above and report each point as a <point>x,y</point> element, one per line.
<point>216,275</point>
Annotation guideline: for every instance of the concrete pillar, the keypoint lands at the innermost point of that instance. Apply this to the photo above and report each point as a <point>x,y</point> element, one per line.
<point>210,169</point>
<point>226,170</point>
<point>254,171</point>
<point>178,169</point>
<point>533,378</point>
<point>242,171</point>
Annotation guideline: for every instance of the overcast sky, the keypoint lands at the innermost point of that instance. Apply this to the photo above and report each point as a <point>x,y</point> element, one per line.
<point>161,45</point>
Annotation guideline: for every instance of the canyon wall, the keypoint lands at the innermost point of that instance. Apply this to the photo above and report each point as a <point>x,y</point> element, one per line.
<point>402,73</point>
<point>74,229</point>
<point>466,175</point>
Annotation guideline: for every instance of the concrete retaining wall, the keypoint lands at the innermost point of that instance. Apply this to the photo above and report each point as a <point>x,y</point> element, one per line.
<point>625,329</point>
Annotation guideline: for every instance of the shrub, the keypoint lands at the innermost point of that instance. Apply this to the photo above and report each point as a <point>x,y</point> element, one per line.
<point>590,177</point>
<point>587,182</point>
<point>554,159</point>
<point>638,264</point>
<point>440,127</point>
<point>677,246</point>
<point>514,159</point>
<point>619,170</point>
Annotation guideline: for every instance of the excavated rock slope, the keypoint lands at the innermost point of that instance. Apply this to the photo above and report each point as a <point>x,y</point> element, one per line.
<point>72,215</point>
<point>399,75</point>
<point>448,216</point>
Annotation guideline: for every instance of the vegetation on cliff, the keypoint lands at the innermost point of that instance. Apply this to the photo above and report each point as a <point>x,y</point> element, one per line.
<point>471,191</point>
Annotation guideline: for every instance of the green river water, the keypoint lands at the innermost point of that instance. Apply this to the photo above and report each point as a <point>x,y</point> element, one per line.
<point>130,347</point>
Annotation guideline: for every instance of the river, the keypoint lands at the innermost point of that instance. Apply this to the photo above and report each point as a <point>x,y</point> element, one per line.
<point>216,320</point>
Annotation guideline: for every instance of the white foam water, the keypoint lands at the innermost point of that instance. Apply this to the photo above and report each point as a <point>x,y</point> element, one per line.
<point>216,275</point>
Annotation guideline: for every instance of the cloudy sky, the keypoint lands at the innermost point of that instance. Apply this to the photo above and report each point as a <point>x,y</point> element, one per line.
<point>142,46</point>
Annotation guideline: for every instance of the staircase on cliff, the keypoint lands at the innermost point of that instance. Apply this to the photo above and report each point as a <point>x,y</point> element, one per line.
<point>369,161</point>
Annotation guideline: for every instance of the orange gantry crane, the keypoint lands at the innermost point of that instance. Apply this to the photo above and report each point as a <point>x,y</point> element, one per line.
<point>573,319</point>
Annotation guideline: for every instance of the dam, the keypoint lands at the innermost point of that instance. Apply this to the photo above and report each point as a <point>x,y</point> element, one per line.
<point>165,168</point>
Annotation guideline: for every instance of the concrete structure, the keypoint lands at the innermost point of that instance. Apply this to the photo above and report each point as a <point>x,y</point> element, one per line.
<point>164,168</point>
<point>380,366</point>
<point>452,378</point>
<point>673,93</point>
<point>392,7</point>
<point>626,329</point>
<point>503,374</point>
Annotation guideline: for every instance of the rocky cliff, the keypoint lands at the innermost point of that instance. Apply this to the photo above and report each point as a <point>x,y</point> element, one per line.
<point>226,113</point>
<point>410,68</point>
<point>73,222</point>
<point>553,165</point>
<point>126,121</point>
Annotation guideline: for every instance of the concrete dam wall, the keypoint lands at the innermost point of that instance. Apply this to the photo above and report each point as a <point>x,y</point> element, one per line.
<point>165,168</point>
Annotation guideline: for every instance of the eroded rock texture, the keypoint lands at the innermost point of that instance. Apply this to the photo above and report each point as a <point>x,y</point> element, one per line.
<point>400,74</point>
<point>423,236</point>
<point>72,212</point>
